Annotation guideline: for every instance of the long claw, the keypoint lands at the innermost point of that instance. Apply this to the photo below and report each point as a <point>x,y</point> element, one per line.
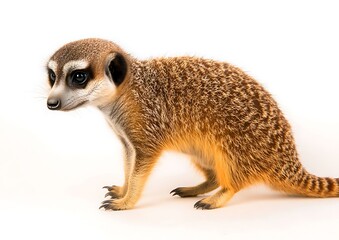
<point>175,192</point>
<point>109,188</point>
<point>107,202</point>
<point>182,192</point>
<point>201,205</point>
<point>104,206</point>
<point>111,194</point>
<point>108,206</point>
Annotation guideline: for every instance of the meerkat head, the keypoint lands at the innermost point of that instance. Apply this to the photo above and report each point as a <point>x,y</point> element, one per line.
<point>87,71</point>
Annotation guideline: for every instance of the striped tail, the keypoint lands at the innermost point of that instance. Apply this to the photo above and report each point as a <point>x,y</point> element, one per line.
<point>303,183</point>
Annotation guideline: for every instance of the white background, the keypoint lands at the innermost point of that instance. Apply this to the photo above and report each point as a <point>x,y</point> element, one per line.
<point>53,165</point>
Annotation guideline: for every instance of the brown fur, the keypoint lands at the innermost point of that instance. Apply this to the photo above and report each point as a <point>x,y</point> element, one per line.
<point>211,110</point>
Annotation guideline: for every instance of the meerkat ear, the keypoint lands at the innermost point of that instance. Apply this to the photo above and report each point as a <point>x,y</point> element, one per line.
<point>117,68</point>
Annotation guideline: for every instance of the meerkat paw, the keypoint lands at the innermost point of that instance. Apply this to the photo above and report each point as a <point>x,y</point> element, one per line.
<point>184,192</point>
<point>114,191</point>
<point>202,188</point>
<point>217,200</point>
<point>115,204</point>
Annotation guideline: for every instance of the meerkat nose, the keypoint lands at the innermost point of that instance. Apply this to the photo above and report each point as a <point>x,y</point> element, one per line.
<point>54,104</point>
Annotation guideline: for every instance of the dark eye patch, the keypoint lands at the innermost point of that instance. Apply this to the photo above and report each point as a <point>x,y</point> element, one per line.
<point>79,78</point>
<point>51,77</point>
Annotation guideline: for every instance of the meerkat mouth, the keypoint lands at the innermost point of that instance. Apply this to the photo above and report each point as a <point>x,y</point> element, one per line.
<point>70,106</point>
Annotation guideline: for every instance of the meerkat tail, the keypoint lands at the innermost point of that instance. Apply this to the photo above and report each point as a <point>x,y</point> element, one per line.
<point>306,184</point>
<point>314,186</point>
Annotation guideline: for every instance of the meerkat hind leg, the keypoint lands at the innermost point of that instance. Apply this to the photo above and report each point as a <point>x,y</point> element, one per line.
<point>205,187</point>
<point>217,200</point>
<point>202,188</point>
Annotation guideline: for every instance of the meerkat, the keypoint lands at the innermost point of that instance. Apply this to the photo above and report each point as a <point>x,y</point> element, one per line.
<point>226,121</point>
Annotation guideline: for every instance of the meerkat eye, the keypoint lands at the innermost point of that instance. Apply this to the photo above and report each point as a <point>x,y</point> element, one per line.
<point>79,78</point>
<point>51,77</point>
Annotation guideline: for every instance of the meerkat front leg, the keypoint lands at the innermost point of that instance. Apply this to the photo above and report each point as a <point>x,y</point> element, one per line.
<point>129,157</point>
<point>141,170</point>
<point>119,191</point>
<point>207,186</point>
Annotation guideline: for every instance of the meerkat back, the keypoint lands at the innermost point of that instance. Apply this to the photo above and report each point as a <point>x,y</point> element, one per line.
<point>227,122</point>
